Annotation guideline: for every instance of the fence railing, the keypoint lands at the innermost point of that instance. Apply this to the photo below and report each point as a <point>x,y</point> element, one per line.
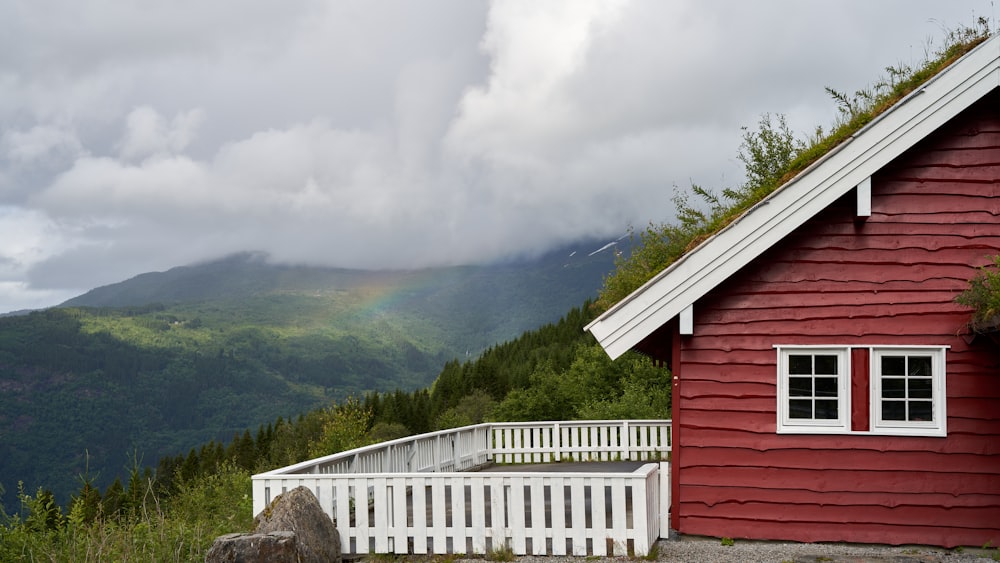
<point>410,496</point>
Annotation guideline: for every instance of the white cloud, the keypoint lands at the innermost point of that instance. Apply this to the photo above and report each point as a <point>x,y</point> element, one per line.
<point>148,133</point>
<point>29,236</point>
<point>393,133</point>
<point>39,143</point>
<point>526,112</point>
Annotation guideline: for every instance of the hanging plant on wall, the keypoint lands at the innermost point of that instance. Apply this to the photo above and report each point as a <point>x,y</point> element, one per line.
<point>983,296</point>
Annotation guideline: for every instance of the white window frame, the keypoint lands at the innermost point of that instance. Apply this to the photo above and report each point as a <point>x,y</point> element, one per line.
<point>936,427</point>
<point>840,425</point>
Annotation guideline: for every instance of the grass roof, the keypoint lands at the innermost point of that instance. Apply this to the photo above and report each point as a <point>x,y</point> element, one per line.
<point>773,157</point>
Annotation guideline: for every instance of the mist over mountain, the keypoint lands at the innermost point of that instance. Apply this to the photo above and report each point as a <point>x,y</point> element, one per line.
<point>164,361</point>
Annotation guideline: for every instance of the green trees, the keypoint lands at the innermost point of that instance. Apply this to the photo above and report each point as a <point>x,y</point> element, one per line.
<point>476,407</point>
<point>345,427</point>
<point>593,387</point>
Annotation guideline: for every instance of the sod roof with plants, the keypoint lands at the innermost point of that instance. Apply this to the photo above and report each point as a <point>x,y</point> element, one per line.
<point>772,157</point>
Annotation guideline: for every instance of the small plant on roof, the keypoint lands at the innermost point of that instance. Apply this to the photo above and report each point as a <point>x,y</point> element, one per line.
<point>983,297</point>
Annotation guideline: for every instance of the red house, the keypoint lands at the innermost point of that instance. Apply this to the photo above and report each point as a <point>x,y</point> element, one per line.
<point>826,386</point>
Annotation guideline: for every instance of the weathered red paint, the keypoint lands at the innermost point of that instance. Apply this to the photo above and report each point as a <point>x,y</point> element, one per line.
<point>889,280</point>
<point>860,393</point>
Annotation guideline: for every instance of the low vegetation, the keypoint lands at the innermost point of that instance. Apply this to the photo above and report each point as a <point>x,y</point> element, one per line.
<point>983,297</point>
<point>131,524</point>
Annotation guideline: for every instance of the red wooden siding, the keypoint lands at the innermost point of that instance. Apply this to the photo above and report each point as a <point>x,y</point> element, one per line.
<point>891,279</point>
<point>860,390</point>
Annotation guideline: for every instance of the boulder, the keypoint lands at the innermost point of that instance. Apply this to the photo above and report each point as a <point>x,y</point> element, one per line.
<point>292,528</point>
<point>245,548</point>
<point>298,511</point>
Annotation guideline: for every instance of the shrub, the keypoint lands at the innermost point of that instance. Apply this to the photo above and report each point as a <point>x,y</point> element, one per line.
<point>983,296</point>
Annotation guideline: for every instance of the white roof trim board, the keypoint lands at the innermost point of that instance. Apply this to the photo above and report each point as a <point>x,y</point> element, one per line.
<point>696,273</point>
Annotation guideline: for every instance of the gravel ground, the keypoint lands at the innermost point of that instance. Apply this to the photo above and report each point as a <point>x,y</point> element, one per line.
<point>710,550</point>
<point>705,550</point>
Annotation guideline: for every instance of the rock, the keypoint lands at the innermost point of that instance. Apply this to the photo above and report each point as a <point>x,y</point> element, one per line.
<point>244,548</point>
<point>292,528</point>
<point>298,511</point>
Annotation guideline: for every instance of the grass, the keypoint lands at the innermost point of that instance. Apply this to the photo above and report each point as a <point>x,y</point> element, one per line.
<point>502,553</point>
<point>653,555</point>
<point>385,557</point>
<point>181,528</point>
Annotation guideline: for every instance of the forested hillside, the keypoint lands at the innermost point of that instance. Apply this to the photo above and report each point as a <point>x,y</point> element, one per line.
<point>556,372</point>
<point>151,366</point>
<point>175,510</point>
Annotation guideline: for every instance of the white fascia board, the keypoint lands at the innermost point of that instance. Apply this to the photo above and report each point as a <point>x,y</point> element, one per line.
<point>691,277</point>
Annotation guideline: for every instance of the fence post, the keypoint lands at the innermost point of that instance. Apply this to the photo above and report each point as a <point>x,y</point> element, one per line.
<point>664,499</point>
<point>642,526</point>
<point>437,453</point>
<point>627,428</point>
<point>482,440</point>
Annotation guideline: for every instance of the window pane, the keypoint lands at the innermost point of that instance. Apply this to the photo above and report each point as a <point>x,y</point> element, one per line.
<point>812,389</point>
<point>919,387</point>
<point>921,411</point>
<point>908,385</point>
<point>826,409</point>
<point>893,365</point>
<point>799,365</point>
<point>800,408</point>
<point>893,388</point>
<point>826,365</point>
<point>920,365</point>
<point>800,387</point>
<point>826,386</point>
<point>893,410</point>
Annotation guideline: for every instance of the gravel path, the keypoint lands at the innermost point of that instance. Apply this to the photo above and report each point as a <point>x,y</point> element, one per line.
<point>710,550</point>
<point>705,550</point>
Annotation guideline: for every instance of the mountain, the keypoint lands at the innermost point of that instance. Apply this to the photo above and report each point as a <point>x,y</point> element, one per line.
<point>156,364</point>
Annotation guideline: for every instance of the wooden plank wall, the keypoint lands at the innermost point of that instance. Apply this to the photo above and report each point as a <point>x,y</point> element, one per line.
<point>888,280</point>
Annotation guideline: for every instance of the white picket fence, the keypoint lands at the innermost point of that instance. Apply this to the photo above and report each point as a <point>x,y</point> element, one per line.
<point>416,495</point>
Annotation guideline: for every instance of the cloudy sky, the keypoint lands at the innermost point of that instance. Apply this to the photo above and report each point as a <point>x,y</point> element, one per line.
<point>138,136</point>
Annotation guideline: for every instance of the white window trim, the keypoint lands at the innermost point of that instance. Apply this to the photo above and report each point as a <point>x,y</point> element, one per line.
<point>840,425</point>
<point>936,428</point>
<point>939,405</point>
